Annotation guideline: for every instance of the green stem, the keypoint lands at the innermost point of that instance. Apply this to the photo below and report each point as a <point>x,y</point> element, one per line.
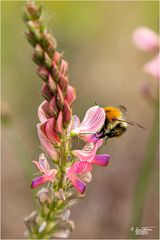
<point>145,175</point>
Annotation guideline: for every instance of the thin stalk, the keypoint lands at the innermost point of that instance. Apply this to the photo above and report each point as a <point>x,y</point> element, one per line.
<point>145,175</point>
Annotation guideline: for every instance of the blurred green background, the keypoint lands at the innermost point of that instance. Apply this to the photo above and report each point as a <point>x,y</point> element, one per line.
<point>104,67</point>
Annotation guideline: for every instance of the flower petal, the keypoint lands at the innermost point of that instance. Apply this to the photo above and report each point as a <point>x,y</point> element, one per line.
<point>78,184</point>
<point>59,126</point>
<point>42,164</point>
<point>70,95</point>
<point>48,146</point>
<point>146,39</point>
<point>79,168</point>
<point>39,181</point>
<point>101,159</point>
<point>92,122</point>
<point>88,152</point>
<point>50,174</point>
<point>42,112</point>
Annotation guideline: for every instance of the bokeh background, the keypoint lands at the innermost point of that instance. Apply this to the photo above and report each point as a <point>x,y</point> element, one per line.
<point>105,67</point>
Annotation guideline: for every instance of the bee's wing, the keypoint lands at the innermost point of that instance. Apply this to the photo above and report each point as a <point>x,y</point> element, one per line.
<point>123,109</point>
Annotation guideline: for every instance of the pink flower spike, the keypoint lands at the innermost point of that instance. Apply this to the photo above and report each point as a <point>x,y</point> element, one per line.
<point>101,159</point>
<point>42,112</point>
<point>46,144</point>
<point>92,122</point>
<point>70,95</point>
<point>153,67</point>
<point>145,39</point>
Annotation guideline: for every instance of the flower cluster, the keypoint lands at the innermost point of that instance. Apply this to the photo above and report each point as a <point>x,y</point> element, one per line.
<point>71,169</point>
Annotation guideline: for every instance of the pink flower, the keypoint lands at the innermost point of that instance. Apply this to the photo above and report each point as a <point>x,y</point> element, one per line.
<point>145,39</point>
<point>88,153</point>
<point>43,166</point>
<point>76,175</point>
<point>92,122</point>
<point>153,67</point>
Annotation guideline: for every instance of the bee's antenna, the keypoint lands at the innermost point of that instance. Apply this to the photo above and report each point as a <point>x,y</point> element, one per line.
<point>131,123</point>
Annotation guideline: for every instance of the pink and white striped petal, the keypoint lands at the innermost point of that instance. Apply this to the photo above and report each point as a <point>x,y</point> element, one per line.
<point>92,122</point>
<point>145,39</point>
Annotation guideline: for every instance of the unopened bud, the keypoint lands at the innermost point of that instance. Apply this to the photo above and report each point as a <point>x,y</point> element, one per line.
<point>30,37</point>
<point>34,29</point>
<point>34,11</point>
<point>31,220</point>
<point>52,84</point>
<point>67,114</point>
<point>53,107</point>
<point>45,91</point>
<point>63,83</point>
<point>59,126</point>
<point>43,196</point>
<point>39,52</point>
<point>60,98</point>
<point>43,73</point>
<point>47,61</point>
<point>42,227</point>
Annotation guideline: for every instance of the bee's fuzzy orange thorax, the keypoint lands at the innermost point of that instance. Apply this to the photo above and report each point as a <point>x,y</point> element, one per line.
<point>112,113</point>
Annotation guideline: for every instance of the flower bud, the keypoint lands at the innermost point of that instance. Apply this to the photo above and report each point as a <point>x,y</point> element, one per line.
<point>42,227</point>
<point>34,29</point>
<point>43,73</point>
<point>43,196</point>
<point>60,98</point>
<point>63,67</point>
<point>53,107</point>
<point>39,52</point>
<point>59,126</point>
<point>67,114</point>
<point>49,130</point>
<point>47,61</point>
<point>70,95</point>
<point>34,11</point>
<point>31,220</point>
<point>30,38</point>
<point>63,83</point>
<point>57,57</point>
<point>52,84</point>
<point>45,91</point>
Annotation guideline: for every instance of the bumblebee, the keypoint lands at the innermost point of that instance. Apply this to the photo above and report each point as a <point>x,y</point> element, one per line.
<point>116,122</point>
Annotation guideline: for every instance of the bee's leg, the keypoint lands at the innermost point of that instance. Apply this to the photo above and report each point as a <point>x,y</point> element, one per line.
<point>105,139</point>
